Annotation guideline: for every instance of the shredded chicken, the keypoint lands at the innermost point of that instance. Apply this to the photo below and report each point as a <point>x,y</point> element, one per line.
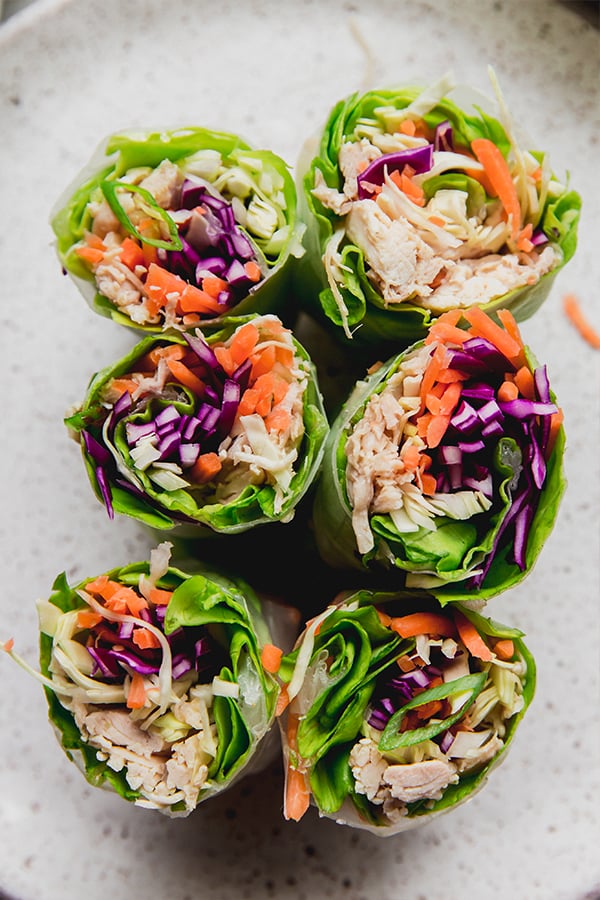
<point>162,183</point>
<point>164,772</point>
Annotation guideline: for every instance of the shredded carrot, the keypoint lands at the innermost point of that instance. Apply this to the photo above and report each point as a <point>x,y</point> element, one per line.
<point>243,343</point>
<point>225,359</point>
<point>437,220</point>
<point>262,362</point>
<point>90,255</point>
<point>136,696</point>
<point>507,391</point>
<point>252,270</point>
<point>213,286</point>
<point>504,649</point>
<point>205,468</point>
<point>524,239</point>
<point>556,420</point>
<point>436,429</point>
<point>186,377</point>
<point>484,327</point>
<point>278,419</point>
<point>384,618</point>
<point>510,326</point>
<point>413,191</point>
<point>471,637</point>
<point>94,240</point>
<point>270,657</point>
<point>407,126</point>
<point>446,334</point>
<point>430,375</point>
<point>124,384</point>
<point>247,404</point>
<point>523,379</point>
<point>87,618</point>
<point>429,484</point>
<point>405,663</point>
<point>195,300</point>
<point>575,315</point>
<point>125,599</point>
<point>427,710</point>
<point>283,701</point>
<point>173,351</point>
<point>144,638</point>
<point>131,254</point>
<point>411,456</point>
<point>422,623</point>
<point>159,597</point>
<point>297,793</point>
<point>496,169</point>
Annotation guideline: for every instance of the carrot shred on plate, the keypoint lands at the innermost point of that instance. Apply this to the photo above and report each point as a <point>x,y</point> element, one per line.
<point>574,313</point>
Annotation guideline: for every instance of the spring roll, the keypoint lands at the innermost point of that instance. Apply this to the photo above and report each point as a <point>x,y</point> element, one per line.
<point>445,464</point>
<point>154,679</point>
<point>219,431</point>
<point>398,710</point>
<point>418,203</point>
<point>164,230</point>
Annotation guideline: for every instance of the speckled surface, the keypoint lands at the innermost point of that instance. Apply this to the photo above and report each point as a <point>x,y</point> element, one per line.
<point>72,72</point>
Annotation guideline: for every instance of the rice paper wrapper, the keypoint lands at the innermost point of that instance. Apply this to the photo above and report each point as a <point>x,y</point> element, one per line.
<point>227,613</point>
<point>352,279</point>
<point>260,482</point>
<point>339,677</point>
<point>471,558</point>
<point>250,213</point>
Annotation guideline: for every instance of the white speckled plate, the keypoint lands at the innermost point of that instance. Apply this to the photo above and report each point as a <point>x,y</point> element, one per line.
<point>72,72</point>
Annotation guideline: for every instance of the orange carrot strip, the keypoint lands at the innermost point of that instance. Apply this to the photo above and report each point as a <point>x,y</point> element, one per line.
<point>446,334</point>
<point>524,381</point>
<point>436,430</point>
<point>383,618</point>
<point>510,326</point>
<point>270,657</point>
<point>124,384</point>
<point>252,270</point>
<point>278,420</point>
<point>428,483</point>
<point>87,618</point>
<point>451,317</point>
<point>225,359</point>
<point>556,420</point>
<point>186,377</point>
<point>262,362</point>
<point>159,597</point>
<point>160,283</point>
<point>437,220</point>
<point>482,326</point>
<point>575,315</point>
<point>423,623</point>
<point>507,391</point>
<point>193,300</point>
<point>496,168</point>
<point>93,240</point>
<point>471,637</point>
<point>243,343</point>
<point>524,239</point>
<point>136,696</point>
<point>213,286</point>
<point>144,638</point>
<point>205,468</point>
<point>407,126</point>
<point>504,649</point>
<point>411,456</point>
<point>434,367</point>
<point>90,255</point>
<point>450,398</point>
<point>247,404</point>
<point>285,356</point>
<point>447,376</point>
<point>131,254</point>
<point>282,701</point>
<point>297,793</point>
